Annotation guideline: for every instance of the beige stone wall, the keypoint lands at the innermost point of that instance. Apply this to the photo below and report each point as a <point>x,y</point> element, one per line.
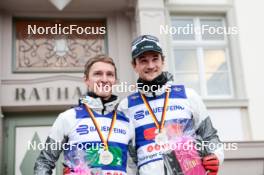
<point>247,159</point>
<point>249,18</point>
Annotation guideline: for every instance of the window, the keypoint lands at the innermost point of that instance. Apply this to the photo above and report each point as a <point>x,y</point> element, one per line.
<point>201,55</point>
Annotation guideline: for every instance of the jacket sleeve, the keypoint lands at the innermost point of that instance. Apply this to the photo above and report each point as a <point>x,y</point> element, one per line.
<point>45,162</point>
<point>206,133</point>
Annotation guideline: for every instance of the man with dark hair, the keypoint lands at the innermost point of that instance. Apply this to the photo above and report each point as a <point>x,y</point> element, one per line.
<point>161,109</point>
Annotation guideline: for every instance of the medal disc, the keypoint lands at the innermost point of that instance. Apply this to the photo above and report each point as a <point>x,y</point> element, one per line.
<point>161,138</point>
<point>106,157</point>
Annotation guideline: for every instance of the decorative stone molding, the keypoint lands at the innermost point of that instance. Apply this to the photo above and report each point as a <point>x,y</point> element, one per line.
<point>60,45</point>
<point>151,14</point>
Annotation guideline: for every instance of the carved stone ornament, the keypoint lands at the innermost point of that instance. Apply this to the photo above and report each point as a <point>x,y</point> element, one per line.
<point>46,45</point>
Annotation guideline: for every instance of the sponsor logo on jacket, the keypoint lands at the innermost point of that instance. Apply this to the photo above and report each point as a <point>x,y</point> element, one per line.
<point>142,113</point>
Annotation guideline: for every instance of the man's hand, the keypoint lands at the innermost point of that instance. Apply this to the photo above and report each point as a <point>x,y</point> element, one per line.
<point>211,164</point>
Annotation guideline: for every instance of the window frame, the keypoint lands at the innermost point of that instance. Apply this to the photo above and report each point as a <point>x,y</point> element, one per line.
<point>200,46</point>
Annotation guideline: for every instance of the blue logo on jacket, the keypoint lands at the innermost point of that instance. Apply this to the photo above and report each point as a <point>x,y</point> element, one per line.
<point>139,115</point>
<point>82,129</point>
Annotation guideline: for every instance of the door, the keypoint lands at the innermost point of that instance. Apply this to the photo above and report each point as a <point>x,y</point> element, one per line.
<point>25,135</point>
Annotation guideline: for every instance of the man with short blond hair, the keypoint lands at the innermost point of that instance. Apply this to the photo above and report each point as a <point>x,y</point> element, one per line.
<point>95,133</point>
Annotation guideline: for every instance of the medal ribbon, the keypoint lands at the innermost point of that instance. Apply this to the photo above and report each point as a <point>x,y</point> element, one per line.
<point>97,126</point>
<point>160,125</point>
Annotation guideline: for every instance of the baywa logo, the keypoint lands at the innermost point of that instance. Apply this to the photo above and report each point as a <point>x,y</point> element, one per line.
<point>139,115</point>
<point>82,129</point>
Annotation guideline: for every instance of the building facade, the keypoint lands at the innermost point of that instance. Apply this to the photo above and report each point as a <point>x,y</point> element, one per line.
<point>41,74</point>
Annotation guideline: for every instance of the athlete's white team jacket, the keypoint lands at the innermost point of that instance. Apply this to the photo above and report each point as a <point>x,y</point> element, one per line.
<point>185,108</point>
<point>75,127</point>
